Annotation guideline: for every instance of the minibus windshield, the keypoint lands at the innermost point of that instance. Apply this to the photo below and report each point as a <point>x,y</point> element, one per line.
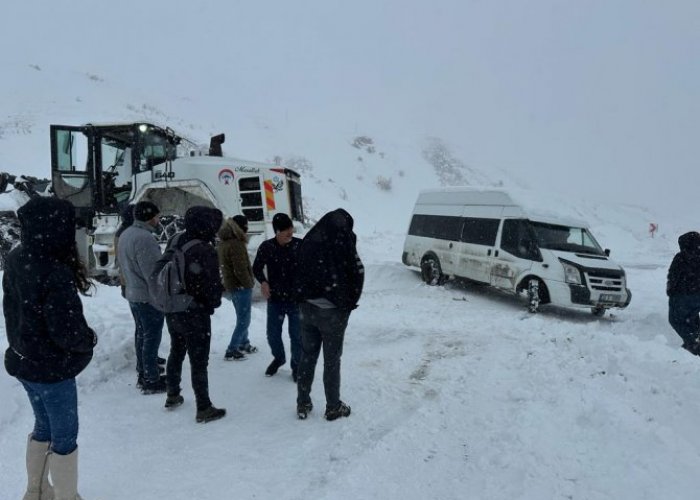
<point>565,238</point>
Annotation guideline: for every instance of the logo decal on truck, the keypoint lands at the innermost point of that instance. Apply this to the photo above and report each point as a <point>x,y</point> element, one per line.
<point>226,176</point>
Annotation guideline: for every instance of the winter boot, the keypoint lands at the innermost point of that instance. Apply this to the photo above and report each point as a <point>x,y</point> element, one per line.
<point>38,486</point>
<point>210,414</point>
<point>157,387</point>
<point>273,367</point>
<point>173,401</point>
<point>64,474</point>
<point>342,410</point>
<point>247,348</point>
<point>235,355</point>
<point>303,410</point>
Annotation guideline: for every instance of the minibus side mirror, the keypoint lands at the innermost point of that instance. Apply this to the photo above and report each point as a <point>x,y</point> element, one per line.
<point>607,252</point>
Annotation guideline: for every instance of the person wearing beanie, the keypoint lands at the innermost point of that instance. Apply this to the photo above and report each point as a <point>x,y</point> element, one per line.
<point>275,268</point>
<point>146,211</point>
<point>49,340</point>
<point>137,253</point>
<point>238,281</point>
<point>683,290</point>
<point>190,330</point>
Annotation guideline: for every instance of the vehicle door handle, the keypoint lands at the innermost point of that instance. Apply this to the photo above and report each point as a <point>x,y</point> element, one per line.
<point>488,252</point>
<point>496,253</point>
<point>450,245</point>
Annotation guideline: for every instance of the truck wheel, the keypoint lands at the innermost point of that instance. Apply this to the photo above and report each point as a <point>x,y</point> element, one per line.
<point>431,272</point>
<point>598,311</point>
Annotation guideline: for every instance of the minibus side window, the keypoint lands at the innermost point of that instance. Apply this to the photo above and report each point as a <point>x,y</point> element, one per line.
<point>480,231</point>
<point>442,227</point>
<point>518,239</point>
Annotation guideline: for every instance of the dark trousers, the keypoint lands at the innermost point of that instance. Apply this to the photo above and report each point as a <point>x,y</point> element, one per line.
<point>149,330</point>
<point>190,333</point>
<point>321,328</point>
<point>276,311</point>
<point>683,313</point>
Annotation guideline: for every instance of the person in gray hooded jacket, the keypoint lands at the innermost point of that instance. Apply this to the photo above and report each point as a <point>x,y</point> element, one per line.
<point>138,252</point>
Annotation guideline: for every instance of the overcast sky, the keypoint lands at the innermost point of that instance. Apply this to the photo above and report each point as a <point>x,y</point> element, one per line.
<point>590,96</point>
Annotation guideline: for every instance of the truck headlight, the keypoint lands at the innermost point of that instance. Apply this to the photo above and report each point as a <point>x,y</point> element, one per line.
<point>571,273</point>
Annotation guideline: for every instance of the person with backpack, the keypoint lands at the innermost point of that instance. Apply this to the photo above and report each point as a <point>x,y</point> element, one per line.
<point>50,342</point>
<point>329,282</point>
<point>683,290</point>
<point>275,267</point>
<point>238,282</point>
<point>190,329</point>
<point>138,252</point>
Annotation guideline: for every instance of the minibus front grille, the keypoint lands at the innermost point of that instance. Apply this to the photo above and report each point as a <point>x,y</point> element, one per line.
<point>607,282</point>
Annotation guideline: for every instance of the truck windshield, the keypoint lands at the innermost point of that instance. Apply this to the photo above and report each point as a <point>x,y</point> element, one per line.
<point>565,238</point>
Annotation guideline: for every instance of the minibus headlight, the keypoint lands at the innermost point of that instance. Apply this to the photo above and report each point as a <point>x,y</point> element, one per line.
<point>571,273</point>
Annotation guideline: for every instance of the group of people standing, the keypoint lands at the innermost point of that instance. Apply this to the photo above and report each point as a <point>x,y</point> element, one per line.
<point>315,283</point>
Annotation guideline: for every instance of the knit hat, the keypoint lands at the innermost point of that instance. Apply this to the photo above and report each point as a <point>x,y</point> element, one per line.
<point>145,211</point>
<point>281,222</point>
<point>241,221</point>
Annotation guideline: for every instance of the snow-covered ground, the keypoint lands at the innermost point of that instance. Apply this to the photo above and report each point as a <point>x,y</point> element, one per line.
<point>456,392</point>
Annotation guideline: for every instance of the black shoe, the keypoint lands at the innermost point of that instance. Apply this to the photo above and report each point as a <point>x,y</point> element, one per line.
<point>161,361</point>
<point>157,387</point>
<point>247,348</point>
<point>173,401</point>
<point>304,409</point>
<point>273,367</point>
<point>139,382</point>
<point>342,410</point>
<point>210,414</point>
<point>236,355</point>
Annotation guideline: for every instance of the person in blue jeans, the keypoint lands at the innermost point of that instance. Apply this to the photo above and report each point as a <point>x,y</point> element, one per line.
<point>237,277</point>
<point>275,268</point>
<point>138,251</point>
<point>50,342</point>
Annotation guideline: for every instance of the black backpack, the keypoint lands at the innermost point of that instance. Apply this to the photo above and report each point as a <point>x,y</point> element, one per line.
<point>166,286</point>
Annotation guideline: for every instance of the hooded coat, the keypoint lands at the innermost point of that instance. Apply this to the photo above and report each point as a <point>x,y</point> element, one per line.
<point>684,273</point>
<point>202,278</point>
<point>328,264</point>
<point>234,261</point>
<point>49,339</point>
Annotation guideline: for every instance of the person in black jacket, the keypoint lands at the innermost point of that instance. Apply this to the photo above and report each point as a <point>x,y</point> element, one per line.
<point>50,342</point>
<point>275,268</point>
<point>190,330</point>
<point>683,290</point>
<point>330,280</point>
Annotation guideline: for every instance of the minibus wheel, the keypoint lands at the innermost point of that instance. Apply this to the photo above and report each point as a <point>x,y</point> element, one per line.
<point>536,294</point>
<point>431,272</point>
<point>598,311</point>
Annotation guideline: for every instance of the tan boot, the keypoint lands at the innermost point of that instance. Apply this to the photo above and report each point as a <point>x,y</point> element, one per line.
<point>64,474</point>
<point>38,486</point>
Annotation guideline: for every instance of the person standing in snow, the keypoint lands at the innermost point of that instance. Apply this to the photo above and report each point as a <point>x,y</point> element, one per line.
<point>237,276</point>
<point>138,252</point>
<point>50,342</point>
<point>190,330</point>
<point>275,267</point>
<point>127,217</point>
<point>330,281</point>
<point>683,290</point>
